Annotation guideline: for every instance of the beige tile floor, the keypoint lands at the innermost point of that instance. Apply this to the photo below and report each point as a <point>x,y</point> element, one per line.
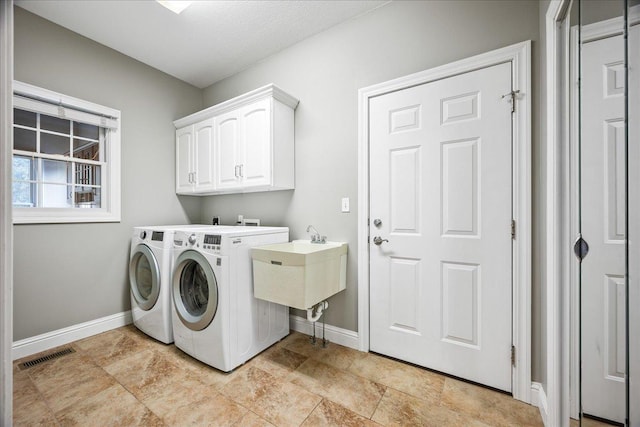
<point>123,378</point>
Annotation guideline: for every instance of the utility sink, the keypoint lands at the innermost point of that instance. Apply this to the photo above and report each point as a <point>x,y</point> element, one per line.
<point>299,274</point>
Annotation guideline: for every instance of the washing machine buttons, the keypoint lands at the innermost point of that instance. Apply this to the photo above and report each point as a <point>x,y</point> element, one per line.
<point>192,239</point>
<point>143,235</point>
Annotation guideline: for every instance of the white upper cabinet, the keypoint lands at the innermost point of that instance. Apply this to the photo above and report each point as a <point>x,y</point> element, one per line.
<point>244,148</point>
<point>184,160</point>
<point>194,158</point>
<point>252,146</point>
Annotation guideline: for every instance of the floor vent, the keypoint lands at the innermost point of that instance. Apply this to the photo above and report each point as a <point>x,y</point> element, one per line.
<point>31,363</point>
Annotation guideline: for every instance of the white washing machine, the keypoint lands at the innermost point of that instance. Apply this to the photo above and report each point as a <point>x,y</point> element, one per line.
<point>150,279</point>
<point>216,319</point>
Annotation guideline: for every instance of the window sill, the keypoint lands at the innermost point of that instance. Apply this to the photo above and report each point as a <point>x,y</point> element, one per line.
<point>62,215</point>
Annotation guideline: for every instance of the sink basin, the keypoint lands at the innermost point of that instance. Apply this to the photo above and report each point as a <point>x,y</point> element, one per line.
<point>299,274</point>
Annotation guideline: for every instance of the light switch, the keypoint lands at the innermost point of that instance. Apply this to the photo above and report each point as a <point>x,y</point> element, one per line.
<point>345,204</point>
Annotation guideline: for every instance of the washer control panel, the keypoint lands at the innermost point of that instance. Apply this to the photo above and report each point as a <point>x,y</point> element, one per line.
<point>212,242</point>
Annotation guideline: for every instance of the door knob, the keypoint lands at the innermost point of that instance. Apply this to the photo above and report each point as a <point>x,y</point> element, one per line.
<point>580,248</point>
<point>379,240</point>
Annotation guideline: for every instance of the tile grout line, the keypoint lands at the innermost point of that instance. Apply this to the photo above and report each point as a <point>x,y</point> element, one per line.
<point>43,399</point>
<point>311,412</point>
<point>94,362</point>
<point>87,357</point>
<point>379,401</point>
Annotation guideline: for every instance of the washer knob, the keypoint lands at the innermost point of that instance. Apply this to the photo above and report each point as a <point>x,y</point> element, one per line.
<point>143,235</point>
<point>192,239</point>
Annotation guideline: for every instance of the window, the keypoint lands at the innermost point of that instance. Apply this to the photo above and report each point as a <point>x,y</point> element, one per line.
<point>66,158</point>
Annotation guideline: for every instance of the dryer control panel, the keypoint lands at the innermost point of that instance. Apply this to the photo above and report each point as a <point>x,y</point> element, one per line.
<point>212,242</point>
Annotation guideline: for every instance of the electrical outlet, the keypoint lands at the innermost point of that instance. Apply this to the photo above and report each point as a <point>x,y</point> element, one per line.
<point>345,204</point>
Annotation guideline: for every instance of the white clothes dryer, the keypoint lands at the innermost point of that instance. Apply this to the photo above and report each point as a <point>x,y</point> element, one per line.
<point>150,279</point>
<point>216,319</point>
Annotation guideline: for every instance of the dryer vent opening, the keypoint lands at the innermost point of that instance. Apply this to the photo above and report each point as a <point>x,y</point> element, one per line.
<point>31,363</point>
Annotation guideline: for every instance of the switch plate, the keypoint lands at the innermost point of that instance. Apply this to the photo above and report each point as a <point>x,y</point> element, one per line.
<point>345,204</point>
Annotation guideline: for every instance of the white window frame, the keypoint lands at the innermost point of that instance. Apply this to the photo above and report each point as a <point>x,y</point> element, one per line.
<point>80,110</point>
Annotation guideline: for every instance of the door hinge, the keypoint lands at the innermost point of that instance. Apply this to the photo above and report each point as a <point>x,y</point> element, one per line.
<point>513,95</point>
<point>513,229</point>
<point>513,355</point>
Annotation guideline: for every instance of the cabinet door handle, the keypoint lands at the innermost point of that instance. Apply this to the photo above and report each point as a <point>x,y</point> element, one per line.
<point>241,170</point>
<point>235,171</point>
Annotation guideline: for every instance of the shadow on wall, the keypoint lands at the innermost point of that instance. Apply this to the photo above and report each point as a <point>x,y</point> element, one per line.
<point>126,296</point>
<point>271,207</point>
<point>191,207</point>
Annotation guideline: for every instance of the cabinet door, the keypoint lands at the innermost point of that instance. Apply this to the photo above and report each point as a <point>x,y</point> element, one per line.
<point>203,156</point>
<point>184,160</point>
<point>256,144</point>
<point>227,139</point>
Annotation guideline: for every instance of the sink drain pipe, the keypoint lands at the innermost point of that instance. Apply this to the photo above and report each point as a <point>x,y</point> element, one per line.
<point>313,318</point>
<point>319,309</point>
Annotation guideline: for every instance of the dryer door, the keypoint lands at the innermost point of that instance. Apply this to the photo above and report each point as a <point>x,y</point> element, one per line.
<point>195,290</point>
<point>144,277</point>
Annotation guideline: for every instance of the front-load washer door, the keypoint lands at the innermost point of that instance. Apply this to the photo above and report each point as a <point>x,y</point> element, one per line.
<point>144,276</point>
<point>195,290</point>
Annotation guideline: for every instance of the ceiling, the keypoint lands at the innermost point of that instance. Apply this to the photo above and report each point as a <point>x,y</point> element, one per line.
<point>208,41</point>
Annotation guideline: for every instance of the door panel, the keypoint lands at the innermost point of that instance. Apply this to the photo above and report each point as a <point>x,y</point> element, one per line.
<point>227,142</point>
<point>404,300</point>
<point>460,183</point>
<point>440,162</point>
<point>256,124</point>
<point>460,320</point>
<point>602,182</point>
<point>184,159</point>
<point>405,190</point>
<point>204,155</point>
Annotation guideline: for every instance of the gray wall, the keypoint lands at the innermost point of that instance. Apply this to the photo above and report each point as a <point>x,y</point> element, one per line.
<point>63,277</point>
<point>72,273</point>
<point>325,73</point>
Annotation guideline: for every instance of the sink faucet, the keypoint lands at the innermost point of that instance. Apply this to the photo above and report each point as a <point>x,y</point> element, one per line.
<point>316,237</point>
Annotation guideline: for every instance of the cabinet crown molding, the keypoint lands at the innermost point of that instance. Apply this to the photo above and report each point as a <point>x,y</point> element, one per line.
<point>269,90</point>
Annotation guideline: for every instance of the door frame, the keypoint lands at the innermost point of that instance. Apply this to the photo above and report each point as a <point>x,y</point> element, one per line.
<point>520,57</point>
<point>6,223</point>
<point>558,253</point>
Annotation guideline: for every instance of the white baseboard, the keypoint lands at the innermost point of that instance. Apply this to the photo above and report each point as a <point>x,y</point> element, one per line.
<point>539,399</point>
<point>33,345</point>
<point>334,334</point>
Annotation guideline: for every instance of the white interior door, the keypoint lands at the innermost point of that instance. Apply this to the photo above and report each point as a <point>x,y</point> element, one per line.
<point>603,227</point>
<point>441,188</point>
